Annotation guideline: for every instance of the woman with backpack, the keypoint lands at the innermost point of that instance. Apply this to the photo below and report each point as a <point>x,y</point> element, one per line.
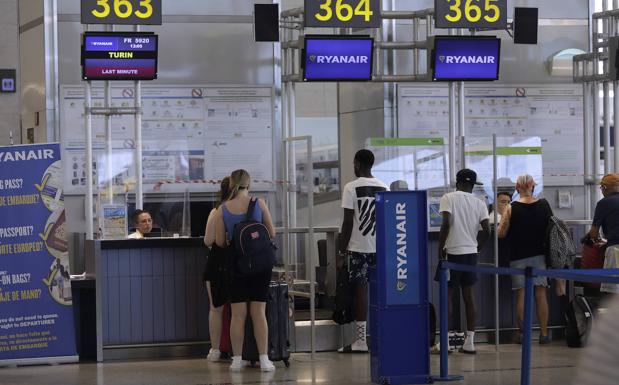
<point>252,288</point>
<point>216,276</point>
<point>524,223</point>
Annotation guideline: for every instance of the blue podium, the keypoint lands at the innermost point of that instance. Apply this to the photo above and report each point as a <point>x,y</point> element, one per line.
<point>399,317</point>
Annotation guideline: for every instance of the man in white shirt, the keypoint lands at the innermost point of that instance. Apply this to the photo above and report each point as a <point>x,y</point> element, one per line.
<point>460,241</point>
<point>358,236</point>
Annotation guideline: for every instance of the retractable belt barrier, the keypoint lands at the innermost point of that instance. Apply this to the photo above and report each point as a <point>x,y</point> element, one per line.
<point>592,275</point>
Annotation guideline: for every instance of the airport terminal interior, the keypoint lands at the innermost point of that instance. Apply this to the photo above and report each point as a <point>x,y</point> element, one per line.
<point>437,181</point>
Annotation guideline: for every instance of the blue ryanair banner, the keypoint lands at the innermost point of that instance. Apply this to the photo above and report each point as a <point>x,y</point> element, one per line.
<point>402,247</point>
<point>36,313</point>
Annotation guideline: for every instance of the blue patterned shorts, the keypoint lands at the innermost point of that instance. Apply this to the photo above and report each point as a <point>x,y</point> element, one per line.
<point>358,264</point>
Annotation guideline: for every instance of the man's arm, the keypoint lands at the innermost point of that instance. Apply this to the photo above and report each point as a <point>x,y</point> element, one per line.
<point>442,238</point>
<point>594,233</point>
<point>483,235</point>
<point>346,231</point>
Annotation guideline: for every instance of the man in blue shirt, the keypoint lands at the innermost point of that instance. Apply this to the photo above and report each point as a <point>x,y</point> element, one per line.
<point>606,218</point>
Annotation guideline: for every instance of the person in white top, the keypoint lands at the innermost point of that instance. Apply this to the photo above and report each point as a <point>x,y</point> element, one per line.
<point>460,241</point>
<point>143,222</point>
<point>358,236</point>
<point>503,200</point>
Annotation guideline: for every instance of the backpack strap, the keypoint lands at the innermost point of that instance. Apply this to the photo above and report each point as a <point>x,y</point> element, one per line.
<point>251,208</point>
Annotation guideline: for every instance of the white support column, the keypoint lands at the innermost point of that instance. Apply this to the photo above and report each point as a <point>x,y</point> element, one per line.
<point>89,177</point>
<point>139,187</point>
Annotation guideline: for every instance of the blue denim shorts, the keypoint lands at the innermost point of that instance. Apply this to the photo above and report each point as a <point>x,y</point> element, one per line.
<point>536,262</point>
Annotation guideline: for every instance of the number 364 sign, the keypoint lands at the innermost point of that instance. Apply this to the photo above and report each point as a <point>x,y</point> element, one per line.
<point>134,12</point>
<point>470,13</point>
<point>343,13</point>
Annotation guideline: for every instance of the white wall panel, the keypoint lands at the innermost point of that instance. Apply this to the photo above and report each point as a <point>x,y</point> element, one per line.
<point>9,59</point>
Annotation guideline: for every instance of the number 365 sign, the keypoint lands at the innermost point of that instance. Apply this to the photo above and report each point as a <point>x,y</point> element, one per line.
<point>135,12</point>
<point>470,13</point>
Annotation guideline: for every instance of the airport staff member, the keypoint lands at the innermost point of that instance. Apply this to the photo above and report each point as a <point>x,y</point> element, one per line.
<point>607,218</point>
<point>143,222</point>
<point>460,242</point>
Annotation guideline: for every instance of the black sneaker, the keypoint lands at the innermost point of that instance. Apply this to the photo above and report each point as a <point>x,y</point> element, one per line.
<point>544,340</point>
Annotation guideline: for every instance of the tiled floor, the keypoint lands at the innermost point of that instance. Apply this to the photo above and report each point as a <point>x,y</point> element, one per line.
<point>554,364</point>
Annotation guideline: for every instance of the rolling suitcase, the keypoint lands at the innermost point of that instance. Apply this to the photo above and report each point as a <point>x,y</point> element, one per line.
<point>277,312</point>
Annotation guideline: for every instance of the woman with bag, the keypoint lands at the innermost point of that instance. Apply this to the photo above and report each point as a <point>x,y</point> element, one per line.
<point>216,276</point>
<point>524,223</point>
<point>247,288</point>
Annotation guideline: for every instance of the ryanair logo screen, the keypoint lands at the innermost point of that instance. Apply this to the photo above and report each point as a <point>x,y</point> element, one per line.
<point>459,58</point>
<point>333,58</point>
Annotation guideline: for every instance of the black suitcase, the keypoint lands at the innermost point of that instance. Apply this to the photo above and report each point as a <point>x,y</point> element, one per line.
<point>277,312</point>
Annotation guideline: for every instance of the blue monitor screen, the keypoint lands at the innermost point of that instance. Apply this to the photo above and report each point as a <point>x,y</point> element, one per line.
<point>338,58</point>
<point>466,58</point>
<point>119,56</point>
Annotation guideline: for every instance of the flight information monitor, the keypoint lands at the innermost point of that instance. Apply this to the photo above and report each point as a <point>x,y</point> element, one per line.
<point>338,58</point>
<point>466,58</point>
<point>119,56</point>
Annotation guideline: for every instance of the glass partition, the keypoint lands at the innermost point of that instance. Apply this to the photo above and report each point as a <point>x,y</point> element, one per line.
<point>410,163</point>
<point>514,156</point>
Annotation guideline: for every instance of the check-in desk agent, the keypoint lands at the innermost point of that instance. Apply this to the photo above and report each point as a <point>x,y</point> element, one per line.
<point>143,222</point>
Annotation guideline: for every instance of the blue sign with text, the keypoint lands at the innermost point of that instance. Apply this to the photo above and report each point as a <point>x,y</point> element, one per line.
<point>402,247</point>
<point>466,58</point>
<point>338,58</point>
<point>36,313</point>
<point>399,317</point>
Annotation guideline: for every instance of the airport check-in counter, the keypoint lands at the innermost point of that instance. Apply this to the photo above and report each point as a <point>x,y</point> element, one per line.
<point>147,297</point>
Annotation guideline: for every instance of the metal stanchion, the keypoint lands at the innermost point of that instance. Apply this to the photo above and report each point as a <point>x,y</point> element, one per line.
<point>444,326</point>
<point>527,324</point>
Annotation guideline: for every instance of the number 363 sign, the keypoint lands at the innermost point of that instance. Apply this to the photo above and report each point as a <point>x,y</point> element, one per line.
<point>132,12</point>
<point>470,13</point>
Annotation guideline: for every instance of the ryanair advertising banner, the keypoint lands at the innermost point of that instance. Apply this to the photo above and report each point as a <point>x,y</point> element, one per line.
<point>401,248</point>
<point>36,313</point>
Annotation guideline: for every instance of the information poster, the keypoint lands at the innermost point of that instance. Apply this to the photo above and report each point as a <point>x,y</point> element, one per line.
<point>552,112</point>
<point>36,313</point>
<point>189,135</point>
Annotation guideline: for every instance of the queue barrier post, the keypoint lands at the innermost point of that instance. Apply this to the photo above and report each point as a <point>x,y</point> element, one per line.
<point>444,326</point>
<point>525,371</point>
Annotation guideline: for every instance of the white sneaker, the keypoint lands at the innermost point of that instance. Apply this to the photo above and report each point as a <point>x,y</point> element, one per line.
<point>266,366</point>
<point>359,345</point>
<point>436,349</point>
<point>213,355</point>
<point>237,364</point>
<point>469,346</point>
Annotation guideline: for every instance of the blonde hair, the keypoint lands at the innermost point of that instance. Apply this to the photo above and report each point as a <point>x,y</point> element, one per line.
<point>524,182</point>
<point>239,180</point>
